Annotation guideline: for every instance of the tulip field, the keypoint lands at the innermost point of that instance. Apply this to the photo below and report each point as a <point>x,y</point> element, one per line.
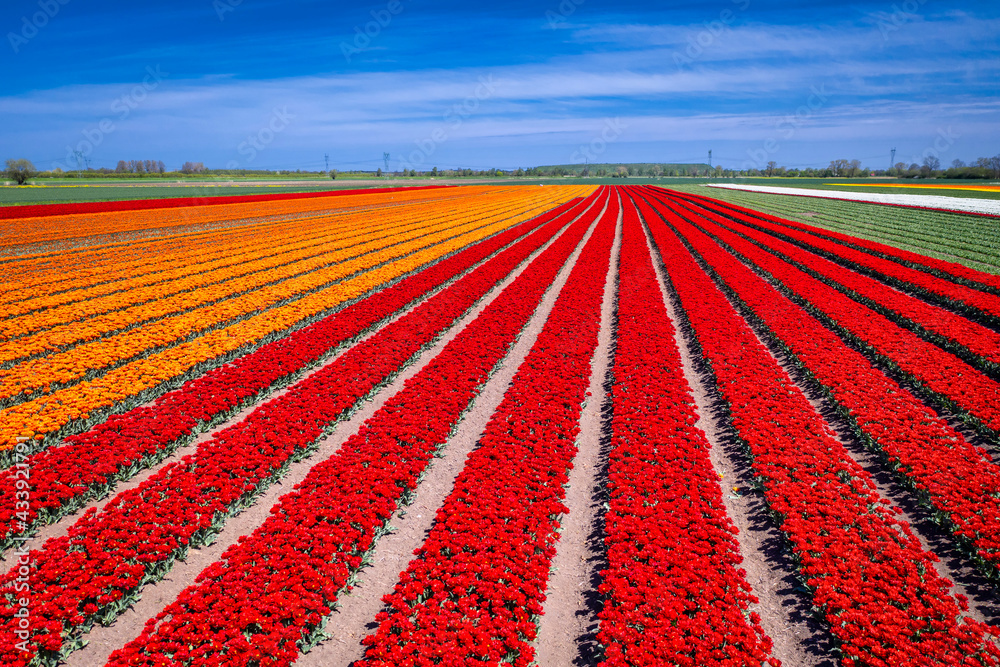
<point>482,425</point>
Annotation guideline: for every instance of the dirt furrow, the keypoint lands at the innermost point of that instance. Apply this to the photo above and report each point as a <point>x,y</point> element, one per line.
<point>59,528</point>
<point>567,630</point>
<point>104,640</point>
<point>785,609</point>
<point>355,616</point>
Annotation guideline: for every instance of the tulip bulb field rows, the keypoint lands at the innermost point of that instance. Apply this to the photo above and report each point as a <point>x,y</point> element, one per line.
<point>216,415</point>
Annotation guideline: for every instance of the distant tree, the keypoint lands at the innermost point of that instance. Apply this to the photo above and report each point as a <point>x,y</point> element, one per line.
<point>121,168</point>
<point>931,165</point>
<point>993,164</point>
<point>192,168</point>
<point>854,168</point>
<point>957,164</point>
<point>379,172</point>
<point>772,166</point>
<point>333,174</point>
<point>20,171</point>
<point>842,168</point>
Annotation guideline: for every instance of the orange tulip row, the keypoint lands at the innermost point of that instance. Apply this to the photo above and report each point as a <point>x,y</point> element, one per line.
<point>266,315</point>
<point>37,273</point>
<point>245,269</point>
<point>92,226</point>
<point>126,254</point>
<point>228,302</point>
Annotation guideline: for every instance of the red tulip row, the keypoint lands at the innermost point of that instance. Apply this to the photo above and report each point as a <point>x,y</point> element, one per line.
<point>98,569</point>
<point>973,302</point>
<point>948,270</point>
<point>674,593</point>
<point>927,365</point>
<point>478,581</point>
<point>273,588</point>
<point>88,465</point>
<point>965,338</point>
<point>869,577</point>
<point>957,480</point>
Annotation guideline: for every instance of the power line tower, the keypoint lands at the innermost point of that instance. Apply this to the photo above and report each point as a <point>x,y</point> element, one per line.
<point>710,157</point>
<point>385,158</point>
<point>892,158</point>
<point>326,156</point>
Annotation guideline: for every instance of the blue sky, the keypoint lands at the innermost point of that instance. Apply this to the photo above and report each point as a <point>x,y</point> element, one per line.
<point>269,84</point>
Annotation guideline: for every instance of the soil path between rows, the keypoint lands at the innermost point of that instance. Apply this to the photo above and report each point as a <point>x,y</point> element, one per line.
<point>60,528</point>
<point>355,618</point>
<point>105,640</point>
<point>567,630</point>
<point>951,564</point>
<point>799,638</point>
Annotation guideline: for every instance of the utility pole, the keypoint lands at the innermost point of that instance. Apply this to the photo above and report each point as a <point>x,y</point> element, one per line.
<point>326,156</point>
<point>709,157</point>
<point>892,159</point>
